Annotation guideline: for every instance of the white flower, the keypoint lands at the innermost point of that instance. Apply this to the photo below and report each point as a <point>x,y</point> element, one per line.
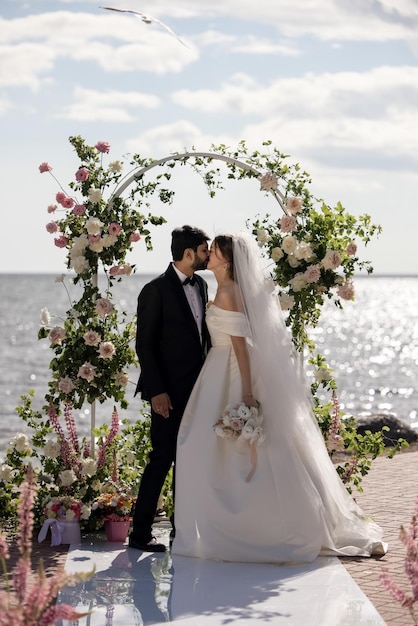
<point>298,282</point>
<point>80,264</point>
<point>20,442</point>
<point>6,473</point>
<point>244,411</point>
<point>52,449</point>
<point>103,307</point>
<point>97,246</point>
<point>293,261</point>
<point>88,466</point>
<point>268,181</point>
<point>304,251</point>
<point>115,166</point>
<point>67,477</point>
<point>69,514</point>
<point>87,371</point>
<point>323,374</point>
<point>95,195</point>
<point>108,240</point>
<point>121,379</point>
<point>276,254</point>
<point>59,278</point>
<point>262,236</point>
<point>45,317</point>
<point>93,226</point>
<point>92,338</point>
<point>57,335</point>
<point>289,244</point>
<point>85,512</point>
<point>293,205</point>
<point>286,301</point>
<point>79,245</point>
<point>66,385</point>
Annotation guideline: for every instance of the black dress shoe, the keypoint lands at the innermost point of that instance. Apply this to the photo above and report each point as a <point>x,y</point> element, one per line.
<point>172,535</point>
<point>151,546</point>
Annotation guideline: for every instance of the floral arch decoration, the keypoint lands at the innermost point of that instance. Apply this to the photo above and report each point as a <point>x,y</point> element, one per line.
<point>311,249</point>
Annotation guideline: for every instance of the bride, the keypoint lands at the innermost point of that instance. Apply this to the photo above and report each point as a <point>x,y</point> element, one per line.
<point>278,502</point>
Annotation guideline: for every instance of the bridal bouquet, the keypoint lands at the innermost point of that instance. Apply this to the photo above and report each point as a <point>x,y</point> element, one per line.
<point>241,422</point>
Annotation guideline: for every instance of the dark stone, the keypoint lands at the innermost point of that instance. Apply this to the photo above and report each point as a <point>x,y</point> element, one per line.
<point>397,428</point>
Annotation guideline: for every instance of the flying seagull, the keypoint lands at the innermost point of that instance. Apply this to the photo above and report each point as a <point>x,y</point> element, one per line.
<point>147,19</point>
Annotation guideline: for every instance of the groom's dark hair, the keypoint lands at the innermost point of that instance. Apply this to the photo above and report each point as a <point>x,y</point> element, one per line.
<point>186,237</point>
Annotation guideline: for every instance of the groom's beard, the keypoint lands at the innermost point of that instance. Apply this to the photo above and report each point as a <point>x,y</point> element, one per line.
<point>199,264</point>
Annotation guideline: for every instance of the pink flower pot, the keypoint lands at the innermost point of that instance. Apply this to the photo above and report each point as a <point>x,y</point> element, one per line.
<point>71,531</point>
<point>116,531</point>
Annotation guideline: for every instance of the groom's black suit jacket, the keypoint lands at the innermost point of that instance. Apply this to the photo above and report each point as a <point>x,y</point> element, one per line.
<point>168,345</point>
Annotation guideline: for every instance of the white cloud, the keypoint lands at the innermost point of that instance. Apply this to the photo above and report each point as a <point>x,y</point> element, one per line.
<point>111,106</point>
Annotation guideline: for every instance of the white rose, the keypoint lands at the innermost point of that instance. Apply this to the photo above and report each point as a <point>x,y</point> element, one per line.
<point>80,264</point>
<point>289,244</point>
<point>286,301</point>
<point>303,251</point>
<point>67,477</point>
<point>97,246</point>
<point>95,195</point>
<point>85,512</point>
<point>268,181</point>
<point>263,236</point>
<point>115,166</point>
<point>277,254</point>
<point>293,261</point>
<point>93,226</point>
<point>298,282</point>
<point>69,514</point>
<point>88,466</point>
<point>52,449</point>
<point>21,443</point>
<point>79,245</point>
<point>331,260</point>
<point>108,240</point>
<point>6,473</point>
<point>45,317</point>
<point>66,385</point>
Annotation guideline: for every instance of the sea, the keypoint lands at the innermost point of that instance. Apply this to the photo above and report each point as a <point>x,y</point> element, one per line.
<point>371,344</point>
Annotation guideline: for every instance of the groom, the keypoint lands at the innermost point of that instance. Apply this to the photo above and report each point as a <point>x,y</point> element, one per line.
<point>171,342</point>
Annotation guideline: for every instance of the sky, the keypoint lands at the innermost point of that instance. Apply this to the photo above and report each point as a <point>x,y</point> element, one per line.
<point>333,84</point>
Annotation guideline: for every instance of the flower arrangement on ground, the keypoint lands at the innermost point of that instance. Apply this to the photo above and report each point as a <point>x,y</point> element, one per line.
<point>241,423</point>
<point>29,597</point>
<point>114,503</point>
<point>66,508</point>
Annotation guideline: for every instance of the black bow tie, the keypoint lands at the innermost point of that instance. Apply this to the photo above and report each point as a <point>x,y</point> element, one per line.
<point>190,281</point>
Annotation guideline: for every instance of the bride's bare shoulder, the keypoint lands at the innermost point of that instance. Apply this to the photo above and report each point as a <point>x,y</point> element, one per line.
<point>226,297</point>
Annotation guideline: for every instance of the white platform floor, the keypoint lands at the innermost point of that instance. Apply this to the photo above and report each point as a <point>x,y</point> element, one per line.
<point>131,588</point>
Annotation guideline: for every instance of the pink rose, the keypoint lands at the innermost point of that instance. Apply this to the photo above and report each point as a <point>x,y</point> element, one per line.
<point>91,338</point>
<point>293,205</point>
<point>79,209</point>
<point>66,385</point>
<point>268,182</point>
<point>115,270</point>
<point>312,273</point>
<point>134,237</point>
<point>346,291</point>
<point>52,208</point>
<point>288,223</point>
<point>94,238</point>
<point>106,350</point>
<point>103,307</point>
<point>82,174</point>
<point>102,146</point>
<point>114,229</point>
<point>56,335</point>
<point>68,203</point>
<point>60,197</point>
<point>52,227</point>
<point>87,371</point>
<point>331,260</point>
<point>44,167</point>
<point>61,242</point>
<point>351,248</point>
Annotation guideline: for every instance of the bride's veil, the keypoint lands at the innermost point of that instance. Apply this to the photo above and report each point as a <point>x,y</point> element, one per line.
<point>286,401</point>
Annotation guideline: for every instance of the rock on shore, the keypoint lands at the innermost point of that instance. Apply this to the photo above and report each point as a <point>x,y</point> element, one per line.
<point>397,428</point>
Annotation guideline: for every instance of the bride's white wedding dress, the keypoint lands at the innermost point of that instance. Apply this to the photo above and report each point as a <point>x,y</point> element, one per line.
<point>294,507</point>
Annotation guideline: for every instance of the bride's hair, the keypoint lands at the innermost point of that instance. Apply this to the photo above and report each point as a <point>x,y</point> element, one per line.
<point>224,244</point>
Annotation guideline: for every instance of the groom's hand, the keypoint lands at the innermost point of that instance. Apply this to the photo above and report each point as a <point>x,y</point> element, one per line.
<point>161,404</point>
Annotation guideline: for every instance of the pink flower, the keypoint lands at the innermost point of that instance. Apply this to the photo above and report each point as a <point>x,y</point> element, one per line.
<point>102,146</point>
<point>57,335</point>
<point>61,242</point>
<point>106,350</point>
<point>268,182</point>
<point>79,209</point>
<point>351,249</point>
<point>331,260</point>
<point>94,238</point>
<point>134,237</point>
<point>52,227</point>
<point>312,273</point>
<point>66,385</point>
<point>87,371</point>
<point>52,208</point>
<point>44,167</point>
<point>346,291</point>
<point>114,229</point>
<point>82,174</point>
<point>60,197</point>
<point>68,203</point>
<point>91,338</point>
<point>288,223</point>
<point>103,307</point>
<point>115,270</point>
<point>293,205</point>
